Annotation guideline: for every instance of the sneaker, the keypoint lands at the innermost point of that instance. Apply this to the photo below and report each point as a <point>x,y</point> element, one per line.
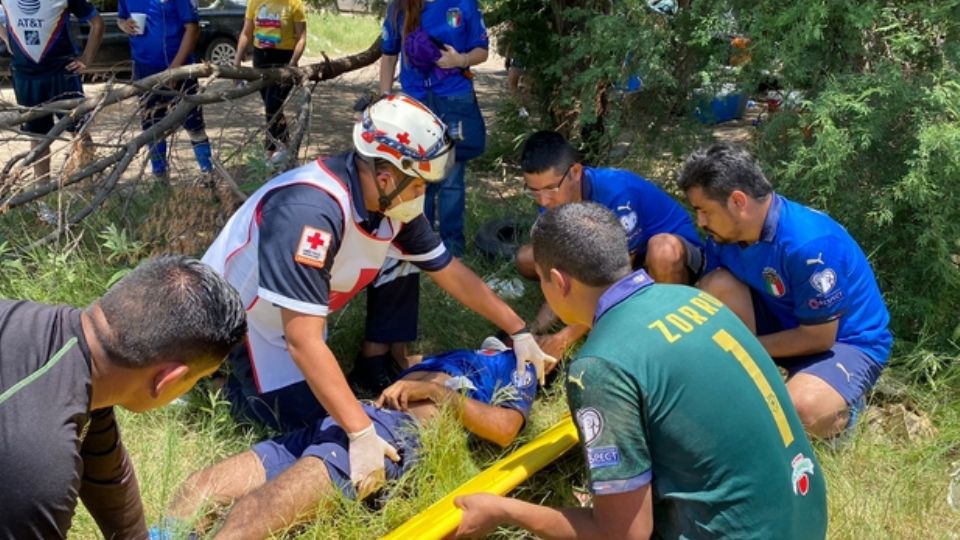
<point>204,156</point>
<point>508,289</point>
<point>278,158</point>
<point>371,375</point>
<point>842,439</point>
<point>856,410</point>
<point>158,159</point>
<point>953,491</point>
<point>166,530</point>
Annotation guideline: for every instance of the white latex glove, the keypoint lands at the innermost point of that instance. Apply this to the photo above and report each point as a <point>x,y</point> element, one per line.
<point>527,350</point>
<point>366,460</point>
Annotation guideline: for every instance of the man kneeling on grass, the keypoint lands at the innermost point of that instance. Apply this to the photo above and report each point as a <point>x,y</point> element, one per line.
<point>283,481</point>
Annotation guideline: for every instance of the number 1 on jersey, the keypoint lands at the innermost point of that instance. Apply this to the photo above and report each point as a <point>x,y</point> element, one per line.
<point>729,344</point>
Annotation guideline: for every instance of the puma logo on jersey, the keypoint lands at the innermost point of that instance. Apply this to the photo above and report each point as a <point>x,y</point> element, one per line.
<point>576,380</point>
<point>818,260</point>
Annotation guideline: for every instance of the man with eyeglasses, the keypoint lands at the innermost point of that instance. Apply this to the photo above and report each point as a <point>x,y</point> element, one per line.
<point>661,235</point>
<point>312,238</point>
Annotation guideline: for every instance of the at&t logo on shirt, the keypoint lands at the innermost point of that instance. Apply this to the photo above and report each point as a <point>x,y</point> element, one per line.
<point>29,7</point>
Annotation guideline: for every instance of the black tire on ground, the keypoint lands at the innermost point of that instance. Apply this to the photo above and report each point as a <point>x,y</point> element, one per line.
<point>500,238</point>
<point>221,51</point>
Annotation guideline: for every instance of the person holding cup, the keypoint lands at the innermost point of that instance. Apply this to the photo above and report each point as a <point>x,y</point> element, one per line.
<point>163,35</point>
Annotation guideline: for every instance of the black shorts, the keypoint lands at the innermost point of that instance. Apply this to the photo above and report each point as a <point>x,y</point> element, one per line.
<point>40,88</point>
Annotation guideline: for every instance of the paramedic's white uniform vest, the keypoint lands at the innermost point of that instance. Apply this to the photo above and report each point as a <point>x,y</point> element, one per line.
<point>234,255</point>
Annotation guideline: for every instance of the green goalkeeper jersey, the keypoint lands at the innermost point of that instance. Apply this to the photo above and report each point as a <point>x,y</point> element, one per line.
<point>672,390</point>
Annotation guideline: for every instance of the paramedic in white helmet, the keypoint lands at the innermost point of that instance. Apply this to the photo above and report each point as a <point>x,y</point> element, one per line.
<point>310,239</point>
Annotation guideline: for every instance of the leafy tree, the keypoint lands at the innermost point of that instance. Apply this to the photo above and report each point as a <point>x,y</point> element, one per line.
<point>873,138</point>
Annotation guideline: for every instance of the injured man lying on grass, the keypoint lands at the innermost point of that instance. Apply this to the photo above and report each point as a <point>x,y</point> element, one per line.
<point>284,481</point>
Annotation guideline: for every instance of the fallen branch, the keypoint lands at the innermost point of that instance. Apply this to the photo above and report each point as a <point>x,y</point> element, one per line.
<point>13,194</point>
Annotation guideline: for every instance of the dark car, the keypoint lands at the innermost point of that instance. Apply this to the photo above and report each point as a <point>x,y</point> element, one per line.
<point>220,23</point>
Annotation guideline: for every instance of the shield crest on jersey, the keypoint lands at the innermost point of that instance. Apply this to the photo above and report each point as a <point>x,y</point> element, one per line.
<point>454,18</point>
<point>774,282</point>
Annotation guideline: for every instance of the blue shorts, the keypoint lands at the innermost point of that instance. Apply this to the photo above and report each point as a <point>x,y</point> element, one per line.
<point>695,260</point>
<point>38,89</point>
<point>393,303</point>
<point>328,442</point>
<point>847,369</point>
<point>153,107</point>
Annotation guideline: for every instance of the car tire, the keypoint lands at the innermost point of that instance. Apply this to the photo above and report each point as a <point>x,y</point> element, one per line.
<point>500,238</point>
<point>221,51</point>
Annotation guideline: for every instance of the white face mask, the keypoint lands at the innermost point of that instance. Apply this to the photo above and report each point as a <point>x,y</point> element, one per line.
<point>406,211</point>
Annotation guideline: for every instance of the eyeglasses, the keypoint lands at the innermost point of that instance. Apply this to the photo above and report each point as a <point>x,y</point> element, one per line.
<point>534,193</point>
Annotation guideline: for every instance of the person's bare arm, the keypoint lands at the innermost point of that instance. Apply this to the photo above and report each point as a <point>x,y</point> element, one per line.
<point>304,336</point>
<point>90,50</point>
<point>499,425</point>
<point>191,33</point>
<point>450,58</point>
<point>624,515</point>
<point>461,283</point>
<point>300,29</point>
<point>109,488</point>
<point>388,66</point>
<point>802,340</point>
<point>243,41</point>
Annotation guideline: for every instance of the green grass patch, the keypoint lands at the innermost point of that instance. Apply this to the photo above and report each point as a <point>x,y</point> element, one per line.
<point>886,483</point>
<point>339,34</point>
<point>883,484</point>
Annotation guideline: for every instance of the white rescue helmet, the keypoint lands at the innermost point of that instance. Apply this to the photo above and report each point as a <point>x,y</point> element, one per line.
<point>406,133</point>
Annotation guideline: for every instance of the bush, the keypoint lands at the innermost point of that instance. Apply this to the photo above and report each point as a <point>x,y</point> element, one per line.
<point>877,146</point>
<point>875,140</point>
<point>884,157</point>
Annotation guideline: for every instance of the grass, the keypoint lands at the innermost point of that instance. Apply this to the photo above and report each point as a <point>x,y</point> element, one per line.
<point>885,483</point>
<point>339,34</point>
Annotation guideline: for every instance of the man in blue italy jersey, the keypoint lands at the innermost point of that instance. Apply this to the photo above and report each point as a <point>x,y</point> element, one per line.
<point>797,278</point>
<point>661,235</point>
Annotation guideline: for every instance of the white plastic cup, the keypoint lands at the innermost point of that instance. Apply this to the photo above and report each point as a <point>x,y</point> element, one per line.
<point>141,20</point>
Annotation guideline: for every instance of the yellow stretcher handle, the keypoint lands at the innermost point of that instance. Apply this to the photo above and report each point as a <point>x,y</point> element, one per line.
<point>442,517</point>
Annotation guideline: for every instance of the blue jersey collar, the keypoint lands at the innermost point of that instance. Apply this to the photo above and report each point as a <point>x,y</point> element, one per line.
<point>586,184</point>
<point>620,291</point>
<point>769,230</point>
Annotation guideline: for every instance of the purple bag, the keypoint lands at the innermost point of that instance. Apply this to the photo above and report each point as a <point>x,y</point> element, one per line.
<point>421,51</point>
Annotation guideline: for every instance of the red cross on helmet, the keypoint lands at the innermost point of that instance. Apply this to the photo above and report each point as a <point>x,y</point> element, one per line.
<point>406,133</point>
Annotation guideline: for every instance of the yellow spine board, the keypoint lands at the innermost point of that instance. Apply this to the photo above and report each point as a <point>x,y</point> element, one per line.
<point>442,517</point>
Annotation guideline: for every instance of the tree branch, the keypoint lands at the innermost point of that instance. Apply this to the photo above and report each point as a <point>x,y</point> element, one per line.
<point>120,159</point>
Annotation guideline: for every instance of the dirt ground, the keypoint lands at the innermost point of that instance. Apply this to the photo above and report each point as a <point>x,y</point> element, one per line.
<point>230,123</point>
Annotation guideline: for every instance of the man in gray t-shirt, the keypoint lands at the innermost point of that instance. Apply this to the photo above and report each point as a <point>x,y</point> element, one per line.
<point>143,344</point>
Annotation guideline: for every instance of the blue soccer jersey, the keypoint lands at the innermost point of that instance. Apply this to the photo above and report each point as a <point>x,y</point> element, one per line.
<point>641,206</point>
<point>39,33</point>
<point>458,23</point>
<point>488,376</point>
<point>807,269</point>
<point>156,48</point>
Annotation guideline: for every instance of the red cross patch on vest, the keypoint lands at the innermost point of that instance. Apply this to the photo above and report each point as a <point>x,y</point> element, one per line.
<point>312,250</point>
